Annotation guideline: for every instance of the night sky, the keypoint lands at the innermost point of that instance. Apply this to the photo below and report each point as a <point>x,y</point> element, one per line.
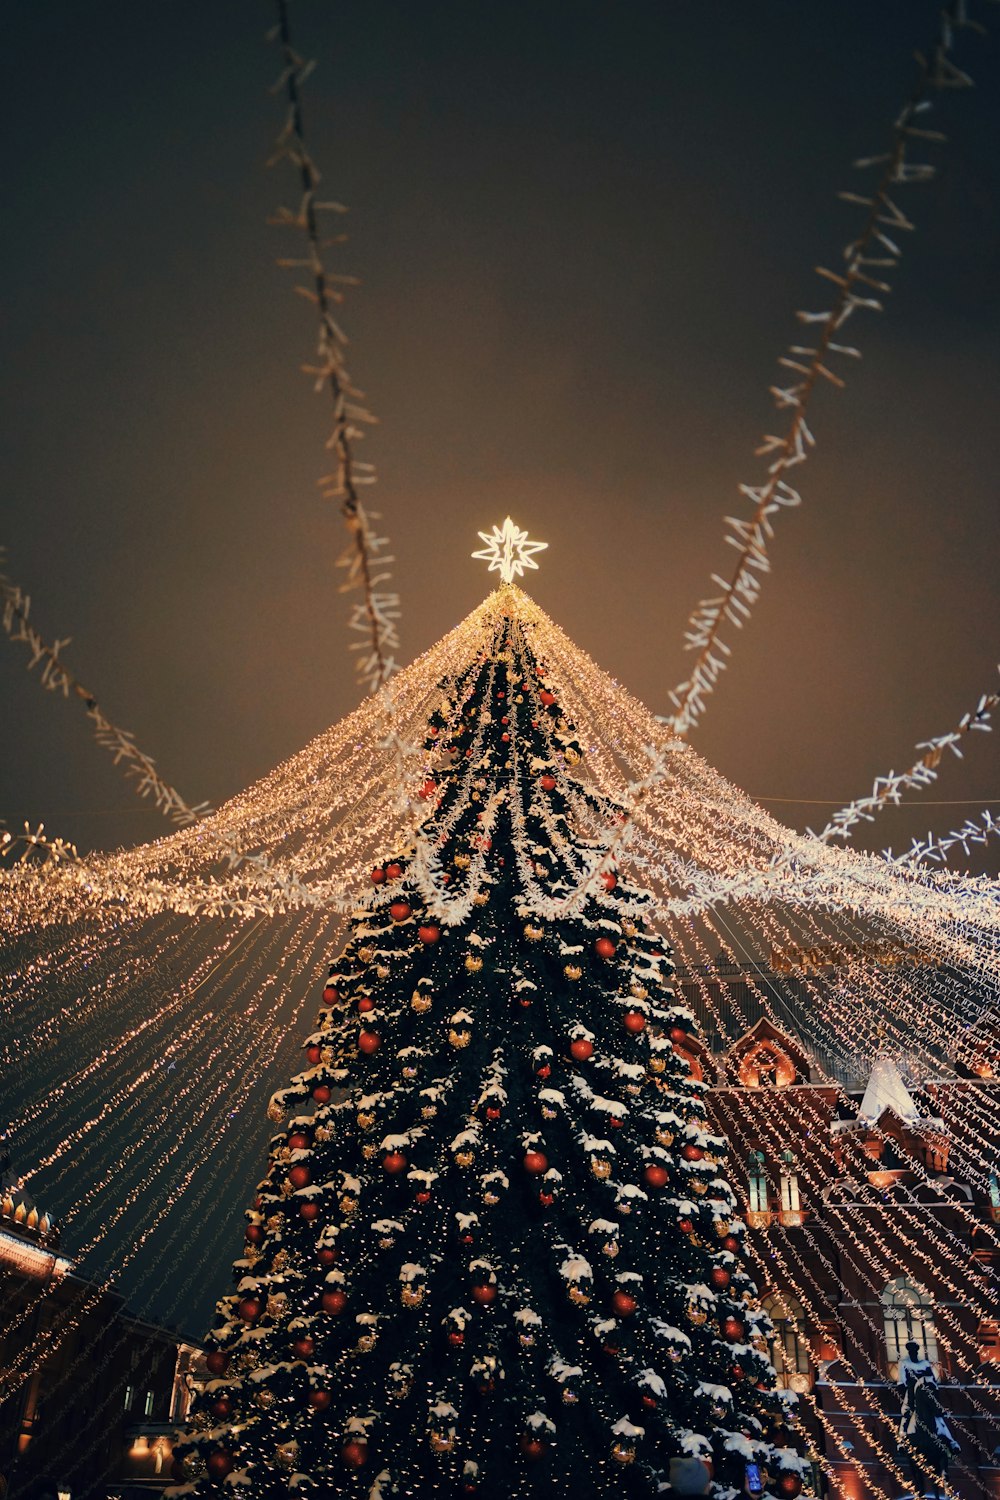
<point>583,230</point>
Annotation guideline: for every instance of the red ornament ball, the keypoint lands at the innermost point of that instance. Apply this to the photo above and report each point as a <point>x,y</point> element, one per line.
<point>250,1309</point>
<point>303,1348</point>
<point>354,1454</point>
<point>217,1362</point>
<point>429,934</point>
<point>532,1447</point>
<point>333,1302</point>
<point>423,1196</point>
<point>691,1152</point>
<point>313,1053</point>
<point>605,947</point>
<point>327,1256</point>
<point>547,783</point>
<point>369,1042</point>
<point>299,1175</point>
<point>719,1277</point>
<point>378,875</point>
<point>219,1463</point>
<point>298,1141</point>
<point>656,1176</point>
<point>543,1071</point>
<point>789,1484</point>
<point>330,996</point>
<point>731,1243</point>
<point>319,1400</point>
<point>624,1304</point>
<point>365,1004</point>
<point>484,1294</point>
<point>222,1408</point>
<point>322,1093</point>
<point>685,1225</point>
<point>400,911</point>
<point>456,1337</point>
<point>536,1162</point>
<point>428,789</point>
<point>394,1162</point>
<point>634,1021</point>
<point>492,1113</point>
<point>649,1402</point>
<point>609,880</point>
<point>546,1199</point>
<point>309,1210</point>
<point>733,1328</point>
<point>394,870</point>
<point>254,1234</point>
<point>546,697</point>
<point>580,1049</point>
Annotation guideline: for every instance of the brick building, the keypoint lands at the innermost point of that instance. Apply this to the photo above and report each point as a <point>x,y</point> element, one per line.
<point>873,1206</point>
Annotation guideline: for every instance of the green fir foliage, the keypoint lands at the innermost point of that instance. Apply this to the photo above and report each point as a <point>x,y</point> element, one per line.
<point>495,1252</point>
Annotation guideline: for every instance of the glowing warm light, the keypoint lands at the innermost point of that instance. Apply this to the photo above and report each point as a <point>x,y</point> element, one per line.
<point>508,550</point>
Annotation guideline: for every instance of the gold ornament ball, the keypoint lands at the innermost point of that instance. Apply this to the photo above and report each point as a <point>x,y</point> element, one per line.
<point>473,963</point>
<point>265,1399</point>
<point>275,1113</point>
<point>348,1205</point>
<point>573,971</point>
<point>429,1111</point>
<point>366,955</point>
<point>664,1137</point>
<point>638,991</point>
<point>382,972</point>
<point>366,1343</point>
<point>409,1071</point>
<point>611,1249</point>
<point>368,1150</point>
<point>622,1453</point>
<point>365,1121</point>
<point>697,1314</point>
<point>657,1064</point>
<point>459,1038</point>
<point>412,1296</point>
<point>534,934</point>
<point>480,898</point>
<point>491,1199</point>
<point>442,1442</point>
<point>286,1454</point>
<point>462,861</point>
<point>464,1158</point>
<point>600,1168</point>
<point>579,1296</point>
<point>420,1003</point>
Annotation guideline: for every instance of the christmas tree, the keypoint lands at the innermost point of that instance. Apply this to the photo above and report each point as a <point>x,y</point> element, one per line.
<point>495,1252</point>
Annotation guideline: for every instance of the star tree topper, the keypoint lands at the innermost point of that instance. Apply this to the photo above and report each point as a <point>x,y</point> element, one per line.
<point>508,550</point>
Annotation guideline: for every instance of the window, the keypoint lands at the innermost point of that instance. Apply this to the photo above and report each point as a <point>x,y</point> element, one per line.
<point>909,1316</point>
<point>758,1183</point>
<point>995,1192</point>
<point>790,1201</point>
<point>129,1397</point>
<point>789,1349</point>
<point>150,1400</point>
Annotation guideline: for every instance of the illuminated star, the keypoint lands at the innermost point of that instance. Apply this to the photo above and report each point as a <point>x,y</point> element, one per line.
<point>508,550</point>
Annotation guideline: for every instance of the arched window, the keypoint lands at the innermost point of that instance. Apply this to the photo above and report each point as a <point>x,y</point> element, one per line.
<point>995,1193</point>
<point>789,1349</point>
<point>909,1315</point>
<point>757,1193</point>
<point>790,1201</point>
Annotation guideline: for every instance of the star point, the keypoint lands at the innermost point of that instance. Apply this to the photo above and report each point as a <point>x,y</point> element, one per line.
<point>508,550</point>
